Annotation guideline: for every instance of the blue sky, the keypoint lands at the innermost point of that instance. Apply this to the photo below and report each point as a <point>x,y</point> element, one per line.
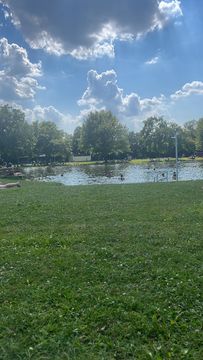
<point>61,59</point>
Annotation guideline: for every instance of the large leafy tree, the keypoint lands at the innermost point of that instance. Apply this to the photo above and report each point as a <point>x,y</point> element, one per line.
<point>136,145</point>
<point>103,136</point>
<point>157,138</point>
<point>51,142</point>
<point>76,141</point>
<point>189,137</point>
<point>15,135</point>
<point>199,135</point>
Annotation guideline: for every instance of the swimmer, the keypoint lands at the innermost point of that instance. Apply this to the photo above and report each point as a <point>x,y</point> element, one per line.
<point>174,175</point>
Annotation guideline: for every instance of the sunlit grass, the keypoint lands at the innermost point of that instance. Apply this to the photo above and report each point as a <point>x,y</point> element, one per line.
<point>168,159</point>
<point>197,158</point>
<point>147,161</point>
<point>101,272</point>
<point>77,163</point>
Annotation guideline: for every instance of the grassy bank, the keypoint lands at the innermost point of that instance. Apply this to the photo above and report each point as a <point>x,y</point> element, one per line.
<point>78,163</point>
<point>101,272</point>
<point>164,160</point>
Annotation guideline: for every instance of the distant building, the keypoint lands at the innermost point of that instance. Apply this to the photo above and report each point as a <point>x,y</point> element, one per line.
<point>81,158</point>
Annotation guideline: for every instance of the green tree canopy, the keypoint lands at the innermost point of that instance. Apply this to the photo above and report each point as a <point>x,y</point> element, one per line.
<point>136,144</point>
<point>50,141</point>
<point>189,138</point>
<point>76,142</point>
<point>101,135</point>
<point>199,135</point>
<point>104,136</point>
<point>156,139</point>
<point>15,135</point>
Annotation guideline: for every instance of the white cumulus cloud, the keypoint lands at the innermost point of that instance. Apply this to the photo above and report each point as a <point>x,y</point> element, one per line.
<point>63,121</point>
<point>87,28</point>
<point>195,87</point>
<point>103,92</point>
<point>171,8</point>
<point>17,73</point>
<point>148,104</point>
<point>152,61</point>
<point>14,59</point>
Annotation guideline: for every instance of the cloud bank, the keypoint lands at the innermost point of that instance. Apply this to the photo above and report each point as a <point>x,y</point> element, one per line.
<point>87,28</point>
<point>195,87</point>
<point>17,73</point>
<point>50,113</point>
<point>103,92</point>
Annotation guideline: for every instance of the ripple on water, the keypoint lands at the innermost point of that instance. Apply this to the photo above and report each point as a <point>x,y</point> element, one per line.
<point>116,173</point>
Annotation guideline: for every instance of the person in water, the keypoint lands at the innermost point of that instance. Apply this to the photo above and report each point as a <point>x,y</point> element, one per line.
<point>9,185</point>
<point>174,175</point>
<point>122,177</point>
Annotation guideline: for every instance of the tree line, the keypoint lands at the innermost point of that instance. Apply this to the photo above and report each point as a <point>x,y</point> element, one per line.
<point>21,142</point>
<point>101,135</point>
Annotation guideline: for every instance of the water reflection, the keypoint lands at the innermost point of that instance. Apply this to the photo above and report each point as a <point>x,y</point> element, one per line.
<point>116,173</point>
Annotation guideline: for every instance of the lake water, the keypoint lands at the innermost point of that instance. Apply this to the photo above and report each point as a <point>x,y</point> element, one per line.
<point>111,173</point>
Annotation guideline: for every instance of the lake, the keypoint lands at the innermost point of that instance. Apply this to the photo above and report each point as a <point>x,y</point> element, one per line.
<point>116,173</point>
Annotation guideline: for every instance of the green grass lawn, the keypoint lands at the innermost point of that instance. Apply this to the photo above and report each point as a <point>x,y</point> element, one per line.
<point>101,272</point>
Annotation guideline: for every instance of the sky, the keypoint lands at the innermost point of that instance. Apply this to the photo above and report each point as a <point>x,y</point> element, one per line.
<point>59,60</point>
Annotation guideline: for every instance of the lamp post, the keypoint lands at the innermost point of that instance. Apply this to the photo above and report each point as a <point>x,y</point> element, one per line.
<point>176,152</point>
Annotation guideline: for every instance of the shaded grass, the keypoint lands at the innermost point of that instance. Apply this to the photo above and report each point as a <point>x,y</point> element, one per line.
<point>101,272</point>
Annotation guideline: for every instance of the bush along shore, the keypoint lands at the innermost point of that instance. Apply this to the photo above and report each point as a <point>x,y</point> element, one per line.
<point>101,272</point>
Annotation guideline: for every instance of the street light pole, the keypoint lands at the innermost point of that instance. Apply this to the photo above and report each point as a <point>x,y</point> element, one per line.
<point>176,149</point>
